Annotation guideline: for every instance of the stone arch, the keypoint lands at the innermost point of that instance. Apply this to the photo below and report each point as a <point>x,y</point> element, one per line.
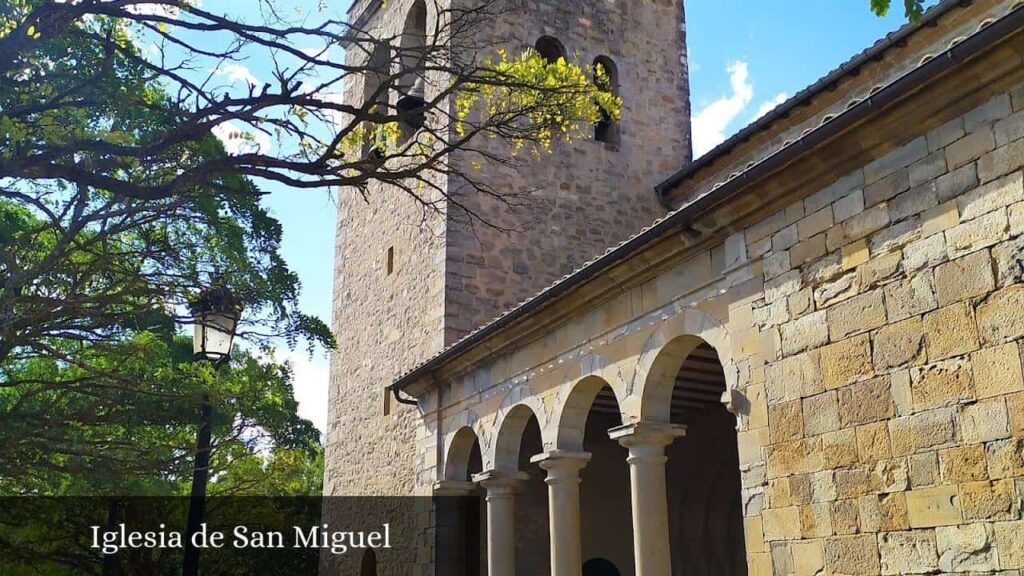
<point>458,454</point>
<point>509,434</point>
<point>606,76</point>
<point>368,565</point>
<point>664,353</point>
<point>570,419</point>
<point>550,48</point>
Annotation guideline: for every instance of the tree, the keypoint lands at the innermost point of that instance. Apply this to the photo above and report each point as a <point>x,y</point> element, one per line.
<point>912,8</point>
<point>293,129</point>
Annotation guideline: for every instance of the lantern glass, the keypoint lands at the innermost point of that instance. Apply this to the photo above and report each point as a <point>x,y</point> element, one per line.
<point>214,334</point>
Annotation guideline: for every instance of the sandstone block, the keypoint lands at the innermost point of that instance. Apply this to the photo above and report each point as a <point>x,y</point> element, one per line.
<point>753,535</point>
<point>984,421</point>
<point>776,265</point>
<point>794,377</point>
<point>855,254</point>
<point>950,331</point>
<point>1009,129</point>
<point>837,289</point>
<point>997,370</point>
<point>879,269</point>
<point>781,523</point>
<point>816,520</point>
<point>760,564</point>
<point>910,297</point>
<point>988,113</point>
<point>928,168</point>
<point>839,448</point>
<point>797,457</point>
<point>846,361</point>
<point>823,486</point>
<point>973,235</point>
<point>1005,458</point>
<point>899,344</point>
<point>845,517</point>
<point>808,558</point>
<point>945,383</point>
<point>946,134</point>
<point>992,196</point>
<point>1015,409</point>
<point>821,414</point>
<point>852,555</point>
<point>964,278</point>
<point>807,250</point>
<point>930,507</point>
<point>911,552</point>
<point>989,500</point>
<point>1009,538</point>
<point>780,287</point>
<point>750,444</point>
<point>1002,160</point>
<point>804,333</point>
<point>883,512</point>
<point>963,464</point>
<point>856,481</point>
<point>941,217</point>
<point>917,200</point>
<point>814,224</point>
<point>832,192</point>
<point>970,147</point>
<point>999,316</point>
<point>887,187</point>
<point>785,238</point>
<point>899,158</point>
<point>922,431</point>
<point>924,253</point>
<point>785,421</point>
<point>966,548</point>
<point>902,392</point>
<point>892,475</point>
<point>949,186</point>
<point>858,314</point>
<point>847,206</point>
<point>1009,260</point>
<point>924,469</point>
<point>873,442</point>
<point>894,237</point>
<point>857,227</point>
<point>865,402</point>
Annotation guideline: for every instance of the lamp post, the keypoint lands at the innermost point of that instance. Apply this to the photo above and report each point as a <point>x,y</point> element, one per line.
<point>215,316</point>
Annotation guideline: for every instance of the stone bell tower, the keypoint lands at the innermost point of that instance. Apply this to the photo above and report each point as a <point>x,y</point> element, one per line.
<point>409,283</point>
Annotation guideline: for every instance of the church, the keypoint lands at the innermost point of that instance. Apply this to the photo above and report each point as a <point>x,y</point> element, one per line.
<point>799,354</point>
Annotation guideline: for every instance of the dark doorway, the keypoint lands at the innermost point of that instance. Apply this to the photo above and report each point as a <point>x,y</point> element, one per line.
<point>600,567</point>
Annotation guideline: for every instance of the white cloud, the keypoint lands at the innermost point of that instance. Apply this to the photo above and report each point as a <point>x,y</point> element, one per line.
<point>237,140</point>
<point>310,380</point>
<point>236,72</point>
<point>771,104</point>
<point>710,124</point>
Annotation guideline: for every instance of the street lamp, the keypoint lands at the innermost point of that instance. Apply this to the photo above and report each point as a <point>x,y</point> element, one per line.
<point>215,315</point>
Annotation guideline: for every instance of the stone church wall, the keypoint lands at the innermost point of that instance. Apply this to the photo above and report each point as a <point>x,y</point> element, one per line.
<point>873,332</point>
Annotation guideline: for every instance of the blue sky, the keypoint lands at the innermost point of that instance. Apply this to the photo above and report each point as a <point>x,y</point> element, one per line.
<point>745,56</point>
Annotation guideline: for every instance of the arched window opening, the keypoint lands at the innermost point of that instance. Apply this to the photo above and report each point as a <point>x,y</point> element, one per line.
<point>369,564</point>
<point>606,77</point>
<point>375,99</point>
<point>550,49</point>
<point>411,102</point>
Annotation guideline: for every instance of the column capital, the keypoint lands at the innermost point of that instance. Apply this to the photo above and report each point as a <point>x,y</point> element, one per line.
<point>453,488</point>
<point>562,465</point>
<point>647,434</point>
<point>500,481</point>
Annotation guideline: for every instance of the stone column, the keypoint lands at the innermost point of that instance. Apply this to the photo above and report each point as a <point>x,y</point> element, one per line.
<point>646,443</point>
<point>501,519</point>
<point>563,480</point>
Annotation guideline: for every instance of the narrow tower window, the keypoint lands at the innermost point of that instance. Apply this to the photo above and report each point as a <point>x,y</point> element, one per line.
<point>550,49</point>
<point>374,99</point>
<point>606,76</point>
<point>390,260</point>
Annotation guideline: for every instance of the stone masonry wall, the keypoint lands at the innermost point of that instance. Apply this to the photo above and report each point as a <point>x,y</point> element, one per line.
<point>873,333</point>
<point>891,435</point>
<point>584,196</point>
